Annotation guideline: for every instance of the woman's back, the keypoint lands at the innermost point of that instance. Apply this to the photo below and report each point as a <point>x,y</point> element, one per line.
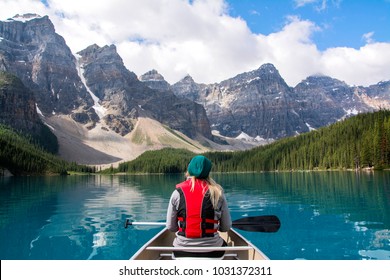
<point>198,209</point>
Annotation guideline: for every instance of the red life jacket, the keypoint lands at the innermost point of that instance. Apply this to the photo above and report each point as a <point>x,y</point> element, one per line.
<point>196,212</point>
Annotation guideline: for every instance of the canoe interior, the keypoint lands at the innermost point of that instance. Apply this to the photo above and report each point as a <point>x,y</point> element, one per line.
<point>165,238</point>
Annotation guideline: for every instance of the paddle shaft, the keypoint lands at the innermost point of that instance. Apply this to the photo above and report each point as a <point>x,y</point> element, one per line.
<point>128,223</point>
<point>265,223</point>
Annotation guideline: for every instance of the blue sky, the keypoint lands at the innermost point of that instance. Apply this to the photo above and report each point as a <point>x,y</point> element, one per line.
<point>213,40</point>
<point>342,23</point>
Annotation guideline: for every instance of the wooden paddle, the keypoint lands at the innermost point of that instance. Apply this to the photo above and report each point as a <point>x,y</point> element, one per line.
<point>265,223</point>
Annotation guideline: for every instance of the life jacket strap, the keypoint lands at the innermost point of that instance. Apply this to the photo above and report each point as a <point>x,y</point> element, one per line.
<point>205,226</point>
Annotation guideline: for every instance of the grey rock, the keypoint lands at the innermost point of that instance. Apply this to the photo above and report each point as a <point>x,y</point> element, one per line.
<point>127,98</point>
<point>155,80</point>
<point>34,52</point>
<point>17,105</point>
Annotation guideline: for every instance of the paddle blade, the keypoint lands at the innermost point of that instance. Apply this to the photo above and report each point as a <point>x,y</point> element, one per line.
<point>267,223</point>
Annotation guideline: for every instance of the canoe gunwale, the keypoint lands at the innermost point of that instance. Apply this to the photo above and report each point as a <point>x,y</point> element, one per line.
<point>199,249</point>
<point>161,244</point>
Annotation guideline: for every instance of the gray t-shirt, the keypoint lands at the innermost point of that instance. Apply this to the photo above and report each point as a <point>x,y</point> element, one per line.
<point>221,214</point>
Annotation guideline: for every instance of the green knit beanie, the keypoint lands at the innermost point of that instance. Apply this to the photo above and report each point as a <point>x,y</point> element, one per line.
<point>199,167</point>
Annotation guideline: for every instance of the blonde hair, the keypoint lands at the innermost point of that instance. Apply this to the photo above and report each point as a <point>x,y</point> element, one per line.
<point>215,189</point>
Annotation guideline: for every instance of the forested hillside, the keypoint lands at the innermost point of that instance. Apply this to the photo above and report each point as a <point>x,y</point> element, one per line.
<point>163,161</point>
<point>18,110</point>
<point>21,156</point>
<point>359,142</point>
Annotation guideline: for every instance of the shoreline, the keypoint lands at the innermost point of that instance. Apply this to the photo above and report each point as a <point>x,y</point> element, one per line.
<point>5,173</point>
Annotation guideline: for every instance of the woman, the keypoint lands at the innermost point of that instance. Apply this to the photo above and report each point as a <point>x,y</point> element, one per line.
<point>198,209</point>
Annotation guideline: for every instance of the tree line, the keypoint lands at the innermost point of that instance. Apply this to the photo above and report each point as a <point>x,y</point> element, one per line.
<point>359,142</point>
<point>362,141</point>
<point>167,160</point>
<point>21,155</point>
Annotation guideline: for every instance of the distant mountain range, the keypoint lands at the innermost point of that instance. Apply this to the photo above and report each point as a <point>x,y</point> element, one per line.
<point>103,113</point>
<point>259,104</point>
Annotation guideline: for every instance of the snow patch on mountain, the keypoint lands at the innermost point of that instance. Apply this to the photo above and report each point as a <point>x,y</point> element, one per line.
<point>24,17</point>
<point>43,117</point>
<point>38,110</point>
<point>99,109</point>
<point>310,127</point>
<point>352,111</point>
<point>245,137</point>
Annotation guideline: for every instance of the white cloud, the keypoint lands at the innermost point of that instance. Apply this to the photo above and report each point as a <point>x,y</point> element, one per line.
<point>10,8</point>
<point>367,37</point>
<point>365,66</point>
<point>318,5</point>
<point>292,51</point>
<point>301,3</point>
<point>179,37</point>
<point>255,13</point>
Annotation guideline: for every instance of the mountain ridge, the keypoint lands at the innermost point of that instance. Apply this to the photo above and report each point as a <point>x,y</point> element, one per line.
<point>261,105</point>
<point>92,95</point>
<point>87,90</point>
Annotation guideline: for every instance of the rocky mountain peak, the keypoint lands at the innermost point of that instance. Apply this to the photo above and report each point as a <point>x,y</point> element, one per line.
<point>34,52</point>
<point>264,80</point>
<point>126,98</point>
<point>267,68</point>
<point>382,88</point>
<point>151,75</point>
<point>187,79</point>
<point>316,81</point>
<point>94,51</point>
<point>27,28</point>
<point>104,71</point>
<point>187,88</point>
<point>324,100</point>
<point>89,50</point>
<point>155,80</point>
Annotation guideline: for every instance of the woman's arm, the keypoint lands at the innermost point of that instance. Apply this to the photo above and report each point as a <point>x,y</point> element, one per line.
<point>172,211</point>
<point>225,222</point>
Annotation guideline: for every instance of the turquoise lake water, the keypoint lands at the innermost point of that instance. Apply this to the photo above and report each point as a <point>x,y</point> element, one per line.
<point>324,215</point>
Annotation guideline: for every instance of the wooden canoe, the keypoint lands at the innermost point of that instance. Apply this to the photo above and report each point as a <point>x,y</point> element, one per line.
<point>160,248</point>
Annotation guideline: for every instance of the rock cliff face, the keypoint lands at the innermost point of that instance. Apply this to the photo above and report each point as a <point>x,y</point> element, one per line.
<point>256,103</point>
<point>124,97</point>
<point>17,105</point>
<point>95,89</point>
<point>324,100</point>
<point>31,50</point>
<point>376,96</point>
<point>155,80</point>
<point>260,105</point>
<point>92,88</point>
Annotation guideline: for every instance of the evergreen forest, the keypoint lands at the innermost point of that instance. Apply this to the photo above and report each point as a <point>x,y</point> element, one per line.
<point>362,141</point>
<point>22,155</point>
